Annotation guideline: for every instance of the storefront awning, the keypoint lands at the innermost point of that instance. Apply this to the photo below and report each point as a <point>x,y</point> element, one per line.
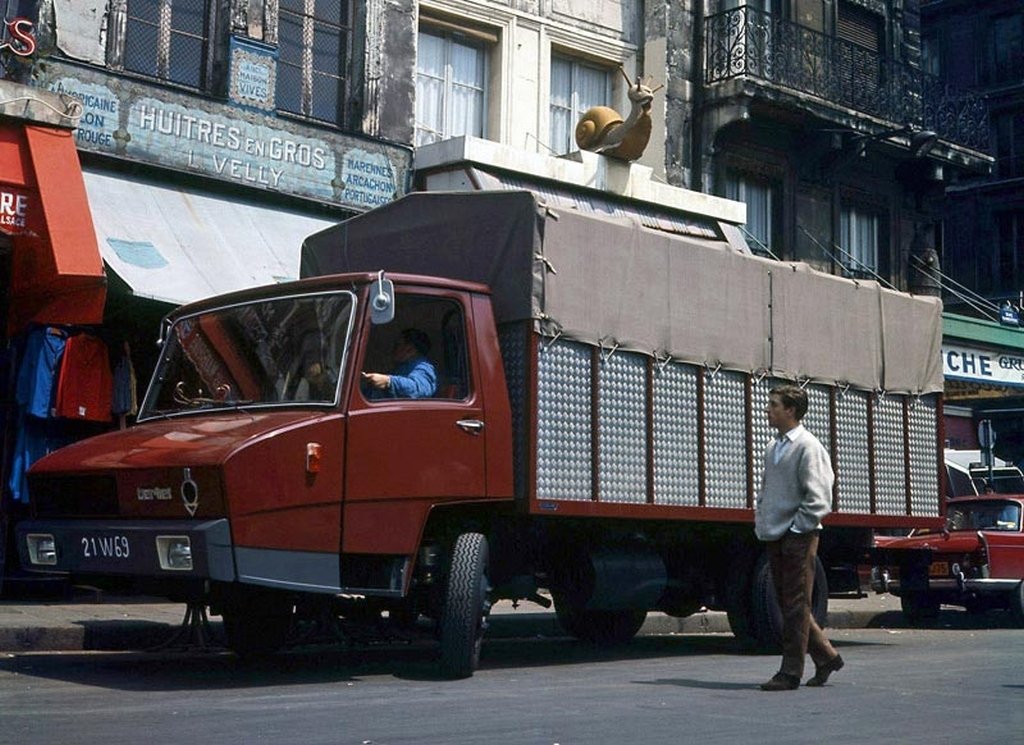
<point>177,244</point>
<point>56,273</point>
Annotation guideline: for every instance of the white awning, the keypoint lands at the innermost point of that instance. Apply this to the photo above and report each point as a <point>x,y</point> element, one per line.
<point>177,244</point>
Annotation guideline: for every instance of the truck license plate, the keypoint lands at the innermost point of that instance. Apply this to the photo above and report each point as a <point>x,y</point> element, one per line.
<point>112,546</point>
<point>939,569</point>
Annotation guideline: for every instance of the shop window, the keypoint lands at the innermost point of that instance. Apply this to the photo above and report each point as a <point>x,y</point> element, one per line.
<point>575,87</point>
<point>1003,60</point>
<point>426,330</point>
<point>761,195</point>
<point>860,239</point>
<point>313,55</point>
<point>451,90</point>
<point>168,39</point>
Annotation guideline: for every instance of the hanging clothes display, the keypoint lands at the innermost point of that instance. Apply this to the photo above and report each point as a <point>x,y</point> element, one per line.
<point>85,384</point>
<point>33,395</point>
<point>125,401</point>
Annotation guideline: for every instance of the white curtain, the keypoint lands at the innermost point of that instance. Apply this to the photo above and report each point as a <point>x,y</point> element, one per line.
<point>449,89</point>
<point>858,237</point>
<point>757,194</point>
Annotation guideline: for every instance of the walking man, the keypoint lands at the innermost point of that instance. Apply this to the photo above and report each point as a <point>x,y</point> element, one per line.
<point>796,494</point>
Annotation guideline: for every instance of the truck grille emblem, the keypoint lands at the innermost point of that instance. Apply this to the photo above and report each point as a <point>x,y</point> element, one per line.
<point>189,493</point>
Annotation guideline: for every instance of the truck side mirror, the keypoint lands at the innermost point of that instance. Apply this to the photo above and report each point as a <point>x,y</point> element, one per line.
<point>382,301</point>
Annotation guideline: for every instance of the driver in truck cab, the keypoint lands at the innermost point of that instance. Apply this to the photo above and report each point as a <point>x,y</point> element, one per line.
<point>413,375</point>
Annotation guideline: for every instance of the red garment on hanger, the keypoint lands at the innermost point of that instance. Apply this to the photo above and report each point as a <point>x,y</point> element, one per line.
<point>85,385</point>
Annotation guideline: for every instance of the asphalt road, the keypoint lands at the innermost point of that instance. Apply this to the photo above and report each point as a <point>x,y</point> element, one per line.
<point>930,686</point>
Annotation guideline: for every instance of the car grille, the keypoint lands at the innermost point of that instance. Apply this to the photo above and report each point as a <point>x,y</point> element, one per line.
<point>73,495</point>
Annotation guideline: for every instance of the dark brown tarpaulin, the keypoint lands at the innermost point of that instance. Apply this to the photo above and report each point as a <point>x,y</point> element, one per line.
<point>613,282</point>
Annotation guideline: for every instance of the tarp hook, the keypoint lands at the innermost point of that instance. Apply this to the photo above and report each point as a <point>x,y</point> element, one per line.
<point>546,262</point>
<point>714,372</point>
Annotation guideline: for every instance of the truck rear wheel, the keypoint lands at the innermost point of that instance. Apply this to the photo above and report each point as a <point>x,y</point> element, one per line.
<point>599,626</point>
<point>756,617</point>
<point>256,623</point>
<point>466,605</point>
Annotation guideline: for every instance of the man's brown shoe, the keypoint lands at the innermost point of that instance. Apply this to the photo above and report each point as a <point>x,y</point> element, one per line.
<point>781,682</point>
<point>822,672</point>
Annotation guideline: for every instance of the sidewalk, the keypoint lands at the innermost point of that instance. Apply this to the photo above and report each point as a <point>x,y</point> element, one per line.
<point>92,620</point>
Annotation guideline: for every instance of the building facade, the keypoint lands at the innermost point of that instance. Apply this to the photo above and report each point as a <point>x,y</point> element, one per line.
<point>980,46</point>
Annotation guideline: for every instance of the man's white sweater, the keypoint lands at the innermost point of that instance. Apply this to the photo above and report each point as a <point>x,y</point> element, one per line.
<point>796,492</point>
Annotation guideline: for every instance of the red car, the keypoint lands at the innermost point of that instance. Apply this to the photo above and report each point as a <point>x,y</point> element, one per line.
<point>977,561</point>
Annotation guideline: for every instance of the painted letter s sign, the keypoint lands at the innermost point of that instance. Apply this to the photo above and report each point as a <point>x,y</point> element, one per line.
<point>19,37</point>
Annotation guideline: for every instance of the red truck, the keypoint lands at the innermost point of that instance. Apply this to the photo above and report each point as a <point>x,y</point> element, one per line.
<point>595,431</point>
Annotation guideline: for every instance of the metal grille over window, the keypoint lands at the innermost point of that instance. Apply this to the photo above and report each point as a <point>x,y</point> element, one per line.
<point>313,38</point>
<point>167,39</point>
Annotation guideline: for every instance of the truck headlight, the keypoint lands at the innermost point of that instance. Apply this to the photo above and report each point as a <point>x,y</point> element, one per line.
<point>174,552</point>
<point>42,549</point>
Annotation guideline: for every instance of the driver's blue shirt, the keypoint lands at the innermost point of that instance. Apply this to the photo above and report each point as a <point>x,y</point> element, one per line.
<point>415,378</point>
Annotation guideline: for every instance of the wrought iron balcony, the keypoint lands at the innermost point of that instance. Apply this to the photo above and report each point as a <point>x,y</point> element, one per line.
<point>745,42</point>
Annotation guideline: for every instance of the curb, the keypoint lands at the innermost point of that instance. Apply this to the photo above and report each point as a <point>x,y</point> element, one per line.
<point>139,635</point>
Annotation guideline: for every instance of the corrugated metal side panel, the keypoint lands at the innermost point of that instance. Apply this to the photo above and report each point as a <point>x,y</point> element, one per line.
<point>622,428</point>
<point>564,422</point>
<point>924,456</point>
<point>890,464</point>
<point>725,427</point>
<point>676,466</point>
<point>583,433</point>
<point>853,467</point>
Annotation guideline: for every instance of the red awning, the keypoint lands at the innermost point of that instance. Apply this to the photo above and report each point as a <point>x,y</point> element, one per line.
<point>56,269</point>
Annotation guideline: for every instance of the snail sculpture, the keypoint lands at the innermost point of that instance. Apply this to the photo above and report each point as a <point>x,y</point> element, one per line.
<point>603,130</point>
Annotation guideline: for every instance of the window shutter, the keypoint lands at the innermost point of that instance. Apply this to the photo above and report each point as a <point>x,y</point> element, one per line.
<point>859,26</point>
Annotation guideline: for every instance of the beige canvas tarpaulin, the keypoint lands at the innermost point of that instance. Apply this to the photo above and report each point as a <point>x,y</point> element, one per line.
<point>613,283</point>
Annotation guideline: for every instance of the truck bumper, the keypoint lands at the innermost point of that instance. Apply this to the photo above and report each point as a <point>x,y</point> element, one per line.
<point>165,549</point>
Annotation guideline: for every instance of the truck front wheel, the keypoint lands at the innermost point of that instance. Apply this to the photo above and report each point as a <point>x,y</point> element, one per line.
<point>466,605</point>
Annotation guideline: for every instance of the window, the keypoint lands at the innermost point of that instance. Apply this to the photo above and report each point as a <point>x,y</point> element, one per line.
<point>1007,274</point>
<point>426,344</point>
<point>313,51</point>
<point>1004,53</point>
<point>930,59</point>
<point>761,197</point>
<point>167,39</point>
<point>1009,152</point>
<point>451,70</point>
<point>859,231</point>
<point>575,87</point>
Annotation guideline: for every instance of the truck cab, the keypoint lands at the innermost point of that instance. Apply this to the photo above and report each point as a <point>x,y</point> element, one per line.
<point>264,462</point>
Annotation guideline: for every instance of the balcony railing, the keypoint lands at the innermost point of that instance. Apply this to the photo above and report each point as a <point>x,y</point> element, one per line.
<point>752,43</point>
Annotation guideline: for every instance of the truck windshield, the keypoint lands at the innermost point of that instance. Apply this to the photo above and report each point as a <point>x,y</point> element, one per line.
<point>273,352</point>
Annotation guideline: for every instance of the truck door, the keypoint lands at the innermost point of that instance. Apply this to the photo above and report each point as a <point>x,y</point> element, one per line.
<point>405,454</point>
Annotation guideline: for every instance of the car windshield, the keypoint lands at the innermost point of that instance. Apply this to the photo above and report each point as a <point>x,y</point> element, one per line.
<point>994,515</point>
<point>272,352</point>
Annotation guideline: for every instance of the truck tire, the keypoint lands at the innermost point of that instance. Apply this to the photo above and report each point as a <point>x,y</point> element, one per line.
<point>256,623</point>
<point>599,626</point>
<point>765,622</point>
<point>465,606</point>
<point>919,607</point>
